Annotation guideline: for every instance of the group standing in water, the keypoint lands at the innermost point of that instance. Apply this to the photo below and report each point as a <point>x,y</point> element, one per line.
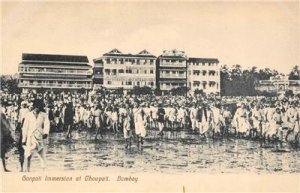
<point>30,117</point>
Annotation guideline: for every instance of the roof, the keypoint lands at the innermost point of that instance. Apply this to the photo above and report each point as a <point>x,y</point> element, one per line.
<point>116,52</point>
<point>69,64</point>
<point>98,60</point>
<point>213,60</point>
<point>55,58</point>
<point>172,57</point>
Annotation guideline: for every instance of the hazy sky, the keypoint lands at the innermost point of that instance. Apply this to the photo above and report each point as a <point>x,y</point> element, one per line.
<point>245,33</point>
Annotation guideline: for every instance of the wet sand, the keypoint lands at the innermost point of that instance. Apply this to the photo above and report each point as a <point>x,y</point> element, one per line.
<point>170,154</point>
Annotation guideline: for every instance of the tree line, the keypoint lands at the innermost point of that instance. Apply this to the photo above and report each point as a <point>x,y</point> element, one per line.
<point>236,81</point>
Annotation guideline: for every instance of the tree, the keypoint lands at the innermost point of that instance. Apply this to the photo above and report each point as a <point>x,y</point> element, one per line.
<point>295,73</point>
<point>41,90</point>
<point>118,91</point>
<point>141,90</point>
<point>289,93</point>
<point>199,92</point>
<point>181,91</point>
<point>81,91</point>
<point>10,84</point>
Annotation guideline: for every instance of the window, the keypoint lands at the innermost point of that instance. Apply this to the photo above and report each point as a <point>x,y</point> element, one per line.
<point>151,71</point>
<point>211,73</point>
<point>152,83</point>
<point>204,72</point>
<point>138,61</point>
<point>121,71</point>
<point>181,72</point>
<point>138,83</point>
<point>167,72</point>
<point>203,63</point>
<point>145,71</point>
<point>129,71</point>
<point>114,72</point>
<point>174,72</point>
<point>108,61</point>
<point>122,61</point>
<point>107,71</point>
<point>129,83</point>
<point>151,61</point>
<point>109,82</point>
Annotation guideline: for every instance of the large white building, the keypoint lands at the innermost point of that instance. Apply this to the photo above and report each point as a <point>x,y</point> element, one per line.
<point>48,71</point>
<point>128,70</point>
<point>204,74</point>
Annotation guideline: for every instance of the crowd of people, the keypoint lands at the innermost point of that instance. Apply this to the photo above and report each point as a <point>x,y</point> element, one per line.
<point>30,117</point>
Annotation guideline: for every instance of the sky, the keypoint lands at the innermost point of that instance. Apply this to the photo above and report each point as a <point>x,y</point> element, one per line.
<point>262,34</point>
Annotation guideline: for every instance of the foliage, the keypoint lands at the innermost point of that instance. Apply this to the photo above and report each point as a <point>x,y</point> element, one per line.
<point>118,91</point>
<point>181,91</point>
<point>41,90</point>
<point>236,81</point>
<point>295,73</point>
<point>81,91</point>
<point>10,84</point>
<point>145,90</point>
<point>289,93</point>
<point>199,92</point>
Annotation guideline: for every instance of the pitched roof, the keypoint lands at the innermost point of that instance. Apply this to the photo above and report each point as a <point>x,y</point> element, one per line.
<point>145,53</point>
<point>116,52</point>
<point>206,60</point>
<point>55,58</point>
<point>172,57</point>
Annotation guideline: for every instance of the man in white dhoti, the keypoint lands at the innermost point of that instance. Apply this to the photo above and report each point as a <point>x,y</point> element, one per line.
<point>35,130</point>
<point>140,123</point>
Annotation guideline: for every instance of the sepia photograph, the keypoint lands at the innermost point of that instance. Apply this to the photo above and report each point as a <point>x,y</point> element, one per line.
<point>150,96</point>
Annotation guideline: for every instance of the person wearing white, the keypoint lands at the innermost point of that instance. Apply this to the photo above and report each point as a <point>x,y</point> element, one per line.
<point>140,122</point>
<point>35,130</point>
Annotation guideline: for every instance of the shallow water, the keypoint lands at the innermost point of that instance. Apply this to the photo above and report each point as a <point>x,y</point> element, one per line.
<point>183,152</point>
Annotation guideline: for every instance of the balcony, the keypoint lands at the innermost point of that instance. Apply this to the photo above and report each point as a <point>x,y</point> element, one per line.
<point>170,64</point>
<point>49,71</point>
<point>98,76</point>
<point>55,85</point>
<point>179,76</point>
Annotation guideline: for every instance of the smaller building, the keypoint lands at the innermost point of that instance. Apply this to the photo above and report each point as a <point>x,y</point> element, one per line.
<point>171,70</point>
<point>60,72</point>
<point>204,74</point>
<point>98,73</point>
<point>278,84</point>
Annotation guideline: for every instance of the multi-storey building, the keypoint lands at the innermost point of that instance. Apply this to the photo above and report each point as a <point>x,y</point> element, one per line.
<point>204,74</point>
<point>128,70</point>
<point>171,70</point>
<point>98,73</point>
<point>54,72</point>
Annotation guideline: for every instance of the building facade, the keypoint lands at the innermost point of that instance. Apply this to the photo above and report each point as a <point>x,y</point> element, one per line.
<point>279,85</point>
<point>98,73</point>
<point>171,70</point>
<point>128,70</point>
<point>48,71</point>
<point>204,74</point>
